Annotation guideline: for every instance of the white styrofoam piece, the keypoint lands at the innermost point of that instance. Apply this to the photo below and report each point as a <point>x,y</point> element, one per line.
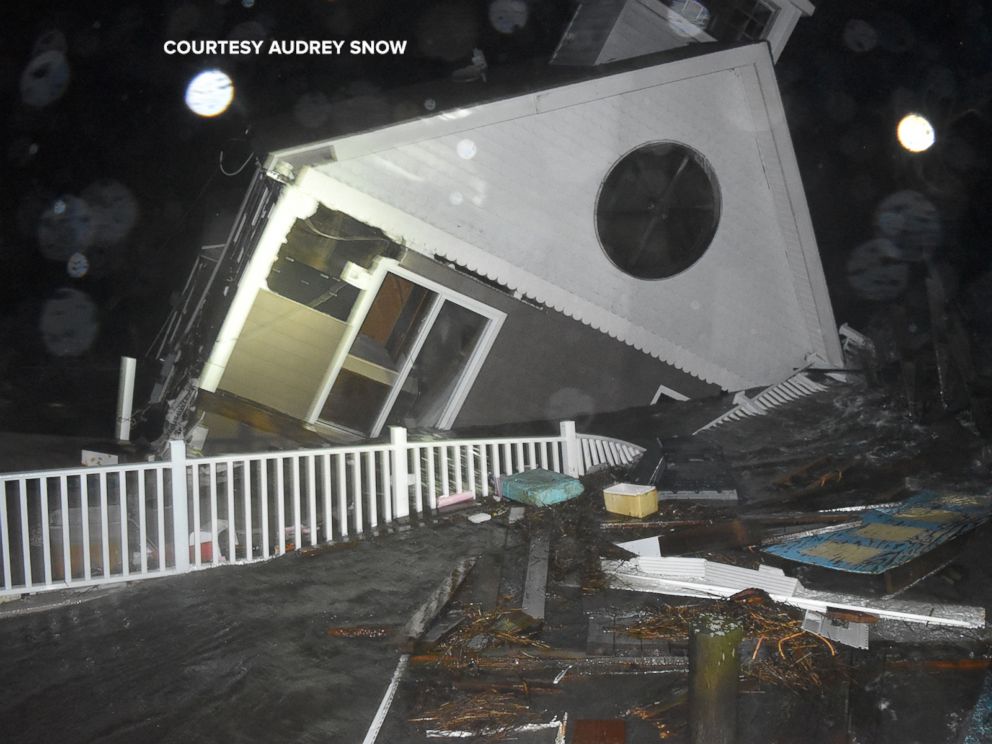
<point>645,547</point>
<point>479,517</point>
<point>93,458</point>
<point>639,574</point>
<point>850,634</point>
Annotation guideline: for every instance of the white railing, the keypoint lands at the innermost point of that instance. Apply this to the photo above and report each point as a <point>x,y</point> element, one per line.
<point>605,451</point>
<point>99,525</point>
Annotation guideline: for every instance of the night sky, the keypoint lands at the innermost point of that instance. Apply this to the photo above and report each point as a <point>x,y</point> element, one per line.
<point>95,125</point>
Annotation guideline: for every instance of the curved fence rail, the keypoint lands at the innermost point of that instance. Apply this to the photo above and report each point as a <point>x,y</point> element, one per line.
<point>98,525</point>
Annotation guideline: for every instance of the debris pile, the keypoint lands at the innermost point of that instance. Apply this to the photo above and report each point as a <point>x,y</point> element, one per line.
<point>784,652</point>
<point>586,623</point>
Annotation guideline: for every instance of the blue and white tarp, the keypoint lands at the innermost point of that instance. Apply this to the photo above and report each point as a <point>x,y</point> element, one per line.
<point>887,538</point>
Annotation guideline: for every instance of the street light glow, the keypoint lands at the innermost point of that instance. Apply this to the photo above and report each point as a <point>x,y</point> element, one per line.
<point>915,133</point>
<point>210,93</point>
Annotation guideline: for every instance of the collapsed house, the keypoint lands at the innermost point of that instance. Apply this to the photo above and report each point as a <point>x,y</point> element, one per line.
<point>599,239</point>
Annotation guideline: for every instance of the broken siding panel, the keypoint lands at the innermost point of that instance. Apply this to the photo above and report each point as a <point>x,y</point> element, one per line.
<point>282,354</point>
<point>527,199</point>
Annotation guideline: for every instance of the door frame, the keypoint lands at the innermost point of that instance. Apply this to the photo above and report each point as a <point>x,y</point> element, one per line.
<point>494,322</point>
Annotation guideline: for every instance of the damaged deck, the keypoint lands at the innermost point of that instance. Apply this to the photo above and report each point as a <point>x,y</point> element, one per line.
<point>510,629</point>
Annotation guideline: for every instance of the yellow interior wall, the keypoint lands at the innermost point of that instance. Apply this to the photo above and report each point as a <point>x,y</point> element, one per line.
<point>282,354</point>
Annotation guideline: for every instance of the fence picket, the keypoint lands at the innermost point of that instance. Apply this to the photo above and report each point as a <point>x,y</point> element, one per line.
<point>470,457</point>
<point>387,490</point>
<point>125,543</point>
<point>418,487</point>
<point>312,497</point>
<point>214,542</point>
<point>46,546</point>
<point>297,485</point>
<point>22,490</point>
<point>483,471</point>
<point>84,500</point>
<point>372,495</point>
<point>64,518</point>
<point>445,485</point>
<point>104,526</point>
<point>431,480</point>
<point>195,549</point>
<point>342,490</point>
<point>263,502</point>
<point>281,504</point>
<point>142,524</point>
<point>232,527</point>
<point>325,472</point>
<point>356,492</point>
<point>249,527</point>
<point>8,581</point>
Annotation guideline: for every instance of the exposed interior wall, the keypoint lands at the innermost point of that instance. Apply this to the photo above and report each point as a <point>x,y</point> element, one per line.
<point>282,354</point>
<point>545,365</point>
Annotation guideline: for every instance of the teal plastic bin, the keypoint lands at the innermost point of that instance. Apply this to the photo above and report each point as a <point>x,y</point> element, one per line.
<point>539,487</point>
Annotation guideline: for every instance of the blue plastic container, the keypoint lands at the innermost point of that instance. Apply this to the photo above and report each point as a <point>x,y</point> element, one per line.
<point>539,487</point>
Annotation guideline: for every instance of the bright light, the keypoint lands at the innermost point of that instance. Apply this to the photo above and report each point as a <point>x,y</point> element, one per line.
<point>209,93</point>
<point>915,133</point>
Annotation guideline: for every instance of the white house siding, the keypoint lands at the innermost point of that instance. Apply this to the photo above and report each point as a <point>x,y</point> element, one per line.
<point>522,210</point>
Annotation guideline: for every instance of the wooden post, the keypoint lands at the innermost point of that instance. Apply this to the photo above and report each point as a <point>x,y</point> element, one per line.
<point>714,666</point>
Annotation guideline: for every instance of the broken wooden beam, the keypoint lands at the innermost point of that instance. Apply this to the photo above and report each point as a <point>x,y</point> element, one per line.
<point>436,602</point>
<point>557,660</point>
<point>536,581</point>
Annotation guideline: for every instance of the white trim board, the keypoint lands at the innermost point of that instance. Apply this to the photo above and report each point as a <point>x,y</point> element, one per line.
<point>698,577</point>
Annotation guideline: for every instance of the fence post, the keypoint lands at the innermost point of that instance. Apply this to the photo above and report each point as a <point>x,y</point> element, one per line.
<point>180,513</point>
<point>571,455</point>
<point>401,478</point>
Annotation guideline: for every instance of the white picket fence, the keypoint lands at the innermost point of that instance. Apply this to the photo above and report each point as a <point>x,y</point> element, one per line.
<point>98,525</point>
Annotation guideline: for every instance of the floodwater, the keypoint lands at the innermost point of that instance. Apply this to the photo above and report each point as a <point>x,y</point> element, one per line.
<point>236,654</point>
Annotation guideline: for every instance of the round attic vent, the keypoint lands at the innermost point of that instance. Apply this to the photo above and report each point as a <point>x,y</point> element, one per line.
<point>658,210</point>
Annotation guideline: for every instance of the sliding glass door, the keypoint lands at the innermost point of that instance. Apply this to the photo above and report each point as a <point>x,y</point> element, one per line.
<point>414,358</point>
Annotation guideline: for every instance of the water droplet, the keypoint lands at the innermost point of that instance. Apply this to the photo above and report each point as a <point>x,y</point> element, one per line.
<point>466,149</point>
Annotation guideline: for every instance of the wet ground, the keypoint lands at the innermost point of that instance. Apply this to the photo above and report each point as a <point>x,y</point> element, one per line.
<point>230,654</point>
<point>244,653</point>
